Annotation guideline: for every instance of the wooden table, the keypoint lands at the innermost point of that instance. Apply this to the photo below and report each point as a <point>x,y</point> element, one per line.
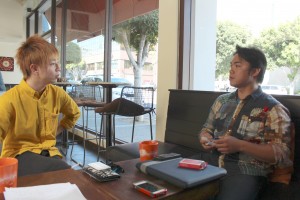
<point>65,84</point>
<point>121,189</point>
<point>108,86</point>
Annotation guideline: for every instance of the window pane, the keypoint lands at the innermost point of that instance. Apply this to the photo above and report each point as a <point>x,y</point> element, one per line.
<point>134,55</point>
<point>84,44</point>
<point>273,26</point>
<point>45,18</point>
<point>85,39</point>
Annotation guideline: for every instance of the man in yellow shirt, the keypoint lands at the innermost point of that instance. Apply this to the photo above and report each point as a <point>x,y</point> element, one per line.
<point>30,111</point>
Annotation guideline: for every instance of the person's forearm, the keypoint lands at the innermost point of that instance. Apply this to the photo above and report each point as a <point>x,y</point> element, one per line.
<point>262,152</point>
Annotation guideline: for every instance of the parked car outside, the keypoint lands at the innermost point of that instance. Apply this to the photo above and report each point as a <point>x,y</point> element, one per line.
<point>274,89</point>
<point>91,78</point>
<point>69,87</point>
<point>116,92</point>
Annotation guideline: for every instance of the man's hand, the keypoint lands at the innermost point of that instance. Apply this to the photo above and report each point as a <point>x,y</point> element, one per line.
<point>227,144</point>
<point>206,141</point>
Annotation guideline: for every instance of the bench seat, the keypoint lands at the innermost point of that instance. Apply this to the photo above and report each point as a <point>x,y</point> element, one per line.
<point>187,112</point>
<point>131,151</point>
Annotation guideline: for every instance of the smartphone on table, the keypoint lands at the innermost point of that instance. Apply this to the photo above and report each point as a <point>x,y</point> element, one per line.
<point>149,188</point>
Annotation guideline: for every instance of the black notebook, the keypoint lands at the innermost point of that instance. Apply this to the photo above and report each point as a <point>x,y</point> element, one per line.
<point>181,177</point>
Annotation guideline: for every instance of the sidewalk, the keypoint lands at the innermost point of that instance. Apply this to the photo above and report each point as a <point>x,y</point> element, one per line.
<point>141,131</point>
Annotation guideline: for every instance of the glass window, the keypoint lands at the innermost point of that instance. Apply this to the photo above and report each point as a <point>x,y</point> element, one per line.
<point>134,43</point>
<point>45,18</point>
<point>85,39</point>
<point>273,26</point>
<point>134,53</point>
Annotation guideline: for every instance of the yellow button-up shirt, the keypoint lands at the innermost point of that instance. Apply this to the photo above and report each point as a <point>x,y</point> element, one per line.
<point>29,120</point>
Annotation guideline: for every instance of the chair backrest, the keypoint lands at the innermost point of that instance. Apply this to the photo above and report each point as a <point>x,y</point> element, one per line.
<point>142,96</point>
<point>87,92</point>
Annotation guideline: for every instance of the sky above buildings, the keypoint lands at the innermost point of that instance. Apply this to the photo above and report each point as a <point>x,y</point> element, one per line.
<point>258,14</point>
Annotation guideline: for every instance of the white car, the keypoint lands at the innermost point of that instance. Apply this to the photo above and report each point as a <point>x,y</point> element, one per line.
<point>116,92</point>
<point>274,89</point>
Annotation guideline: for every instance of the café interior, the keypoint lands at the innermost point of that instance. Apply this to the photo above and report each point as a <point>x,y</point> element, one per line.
<point>180,63</point>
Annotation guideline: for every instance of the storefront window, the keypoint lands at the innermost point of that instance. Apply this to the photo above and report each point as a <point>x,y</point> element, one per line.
<point>273,26</point>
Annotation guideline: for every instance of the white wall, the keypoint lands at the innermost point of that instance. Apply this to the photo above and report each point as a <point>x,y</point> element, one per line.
<point>167,60</point>
<point>12,33</point>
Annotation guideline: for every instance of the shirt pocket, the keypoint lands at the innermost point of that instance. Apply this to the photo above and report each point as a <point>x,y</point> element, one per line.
<point>51,123</point>
<point>220,122</point>
<point>251,127</point>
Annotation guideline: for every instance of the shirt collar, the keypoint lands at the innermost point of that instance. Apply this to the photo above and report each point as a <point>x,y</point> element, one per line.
<point>256,94</point>
<point>29,91</point>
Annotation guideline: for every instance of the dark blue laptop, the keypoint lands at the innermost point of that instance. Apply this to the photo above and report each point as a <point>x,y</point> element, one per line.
<point>184,178</point>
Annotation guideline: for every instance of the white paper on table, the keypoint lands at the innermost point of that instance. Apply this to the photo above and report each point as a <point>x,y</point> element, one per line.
<point>59,191</point>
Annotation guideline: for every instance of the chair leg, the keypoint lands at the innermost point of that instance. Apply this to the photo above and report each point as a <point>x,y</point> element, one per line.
<point>133,125</point>
<point>64,145</point>
<point>114,129</point>
<point>83,135</point>
<point>73,140</point>
<point>98,149</point>
<point>97,142</point>
<point>151,126</point>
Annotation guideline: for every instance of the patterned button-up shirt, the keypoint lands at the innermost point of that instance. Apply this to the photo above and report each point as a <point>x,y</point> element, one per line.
<point>262,120</point>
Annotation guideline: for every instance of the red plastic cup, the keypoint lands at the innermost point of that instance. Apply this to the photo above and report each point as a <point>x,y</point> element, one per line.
<point>148,149</point>
<point>8,173</point>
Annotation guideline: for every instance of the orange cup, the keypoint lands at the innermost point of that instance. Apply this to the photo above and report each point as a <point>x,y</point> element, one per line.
<point>148,149</point>
<point>8,173</point>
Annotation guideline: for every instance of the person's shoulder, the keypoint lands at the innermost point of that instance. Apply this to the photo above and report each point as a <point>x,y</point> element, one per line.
<point>269,102</point>
<point>269,99</point>
<point>10,95</point>
<point>14,90</point>
<point>55,88</point>
<point>57,91</point>
<point>226,96</point>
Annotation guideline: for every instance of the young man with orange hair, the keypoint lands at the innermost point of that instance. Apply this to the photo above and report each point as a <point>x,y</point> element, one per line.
<point>30,111</point>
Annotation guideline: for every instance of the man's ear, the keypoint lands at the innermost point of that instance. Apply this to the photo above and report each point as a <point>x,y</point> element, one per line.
<point>33,68</point>
<point>255,72</point>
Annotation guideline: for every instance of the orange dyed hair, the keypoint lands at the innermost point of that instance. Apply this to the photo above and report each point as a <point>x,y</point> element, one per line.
<point>35,50</point>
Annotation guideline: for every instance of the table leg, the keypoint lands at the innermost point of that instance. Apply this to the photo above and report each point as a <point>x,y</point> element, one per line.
<point>65,142</point>
<point>108,118</point>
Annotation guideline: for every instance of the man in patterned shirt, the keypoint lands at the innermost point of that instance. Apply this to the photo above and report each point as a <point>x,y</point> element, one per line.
<point>247,131</point>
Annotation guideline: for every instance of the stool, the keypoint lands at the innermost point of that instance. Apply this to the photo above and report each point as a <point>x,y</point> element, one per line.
<point>88,98</point>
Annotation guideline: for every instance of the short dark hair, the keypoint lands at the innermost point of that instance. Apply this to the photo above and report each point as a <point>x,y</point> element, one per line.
<point>255,57</point>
